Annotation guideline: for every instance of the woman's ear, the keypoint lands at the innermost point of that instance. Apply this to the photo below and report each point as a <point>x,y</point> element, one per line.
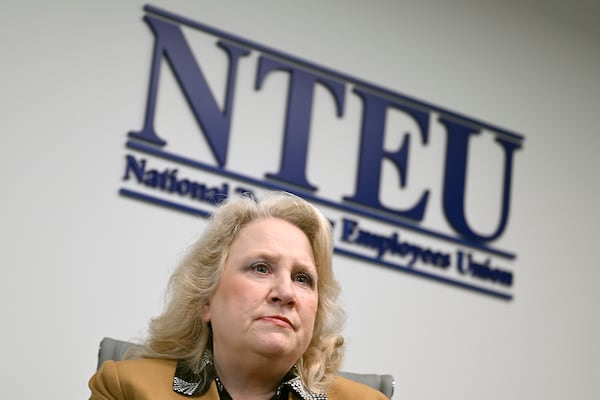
<point>205,312</point>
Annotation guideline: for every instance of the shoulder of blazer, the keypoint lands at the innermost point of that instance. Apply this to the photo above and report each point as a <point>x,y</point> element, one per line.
<point>346,389</point>
<point>143,379</point>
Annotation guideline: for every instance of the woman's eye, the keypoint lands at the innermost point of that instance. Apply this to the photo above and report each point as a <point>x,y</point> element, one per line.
<point>304,279</point>
<point>261,268</point>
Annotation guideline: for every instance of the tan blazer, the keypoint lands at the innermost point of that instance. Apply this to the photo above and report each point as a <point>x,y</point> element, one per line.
<point>152,379</point>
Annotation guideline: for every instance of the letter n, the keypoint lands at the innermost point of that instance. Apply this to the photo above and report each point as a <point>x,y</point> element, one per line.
<point>214,123</point>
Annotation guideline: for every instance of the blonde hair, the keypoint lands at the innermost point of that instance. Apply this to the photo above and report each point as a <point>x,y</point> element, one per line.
<point>179,332</point>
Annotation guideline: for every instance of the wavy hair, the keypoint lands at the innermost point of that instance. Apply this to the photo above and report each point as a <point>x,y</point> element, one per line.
<point>179,332</point>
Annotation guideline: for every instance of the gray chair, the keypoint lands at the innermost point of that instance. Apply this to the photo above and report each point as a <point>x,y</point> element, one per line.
<point>113,349</point>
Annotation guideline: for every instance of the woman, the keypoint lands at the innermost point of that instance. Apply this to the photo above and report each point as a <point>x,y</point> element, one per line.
<point>252,314</point>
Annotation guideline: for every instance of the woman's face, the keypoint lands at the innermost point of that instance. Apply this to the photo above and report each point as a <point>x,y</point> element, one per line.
<point>266,303</point>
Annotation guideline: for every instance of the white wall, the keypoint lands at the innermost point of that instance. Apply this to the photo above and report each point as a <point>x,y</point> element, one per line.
<point>79,262</point>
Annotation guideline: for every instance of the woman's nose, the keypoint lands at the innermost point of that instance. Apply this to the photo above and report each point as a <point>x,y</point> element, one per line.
<point>283,291</point>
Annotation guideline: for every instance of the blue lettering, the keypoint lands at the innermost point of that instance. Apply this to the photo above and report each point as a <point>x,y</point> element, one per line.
<point>133,166</point>
<point>298,115</point>
<point>455,177</point>
<point>372,153</point>
<point>168,181</point>
<point>214,123</point>
<point>392,245</point>
<point>348,229</point>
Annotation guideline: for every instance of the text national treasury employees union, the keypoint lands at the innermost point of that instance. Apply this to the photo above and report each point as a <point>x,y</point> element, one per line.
<point>365,226</point>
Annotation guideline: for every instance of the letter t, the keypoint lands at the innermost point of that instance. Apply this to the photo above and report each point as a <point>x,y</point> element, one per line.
<point>297,123</point>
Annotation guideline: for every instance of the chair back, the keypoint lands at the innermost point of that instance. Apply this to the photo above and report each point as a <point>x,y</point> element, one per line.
<point>114,349</point>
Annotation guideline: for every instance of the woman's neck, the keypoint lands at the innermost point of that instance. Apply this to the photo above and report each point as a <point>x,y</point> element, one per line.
<point>249,381</point>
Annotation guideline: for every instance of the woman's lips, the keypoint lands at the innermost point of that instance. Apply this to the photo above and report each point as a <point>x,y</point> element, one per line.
<point>279,320</point>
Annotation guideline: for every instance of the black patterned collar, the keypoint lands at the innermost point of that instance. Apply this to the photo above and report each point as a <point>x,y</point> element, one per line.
<point>189,382</point>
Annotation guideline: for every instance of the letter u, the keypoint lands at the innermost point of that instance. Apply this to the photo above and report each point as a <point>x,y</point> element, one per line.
<point>455,176</point>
